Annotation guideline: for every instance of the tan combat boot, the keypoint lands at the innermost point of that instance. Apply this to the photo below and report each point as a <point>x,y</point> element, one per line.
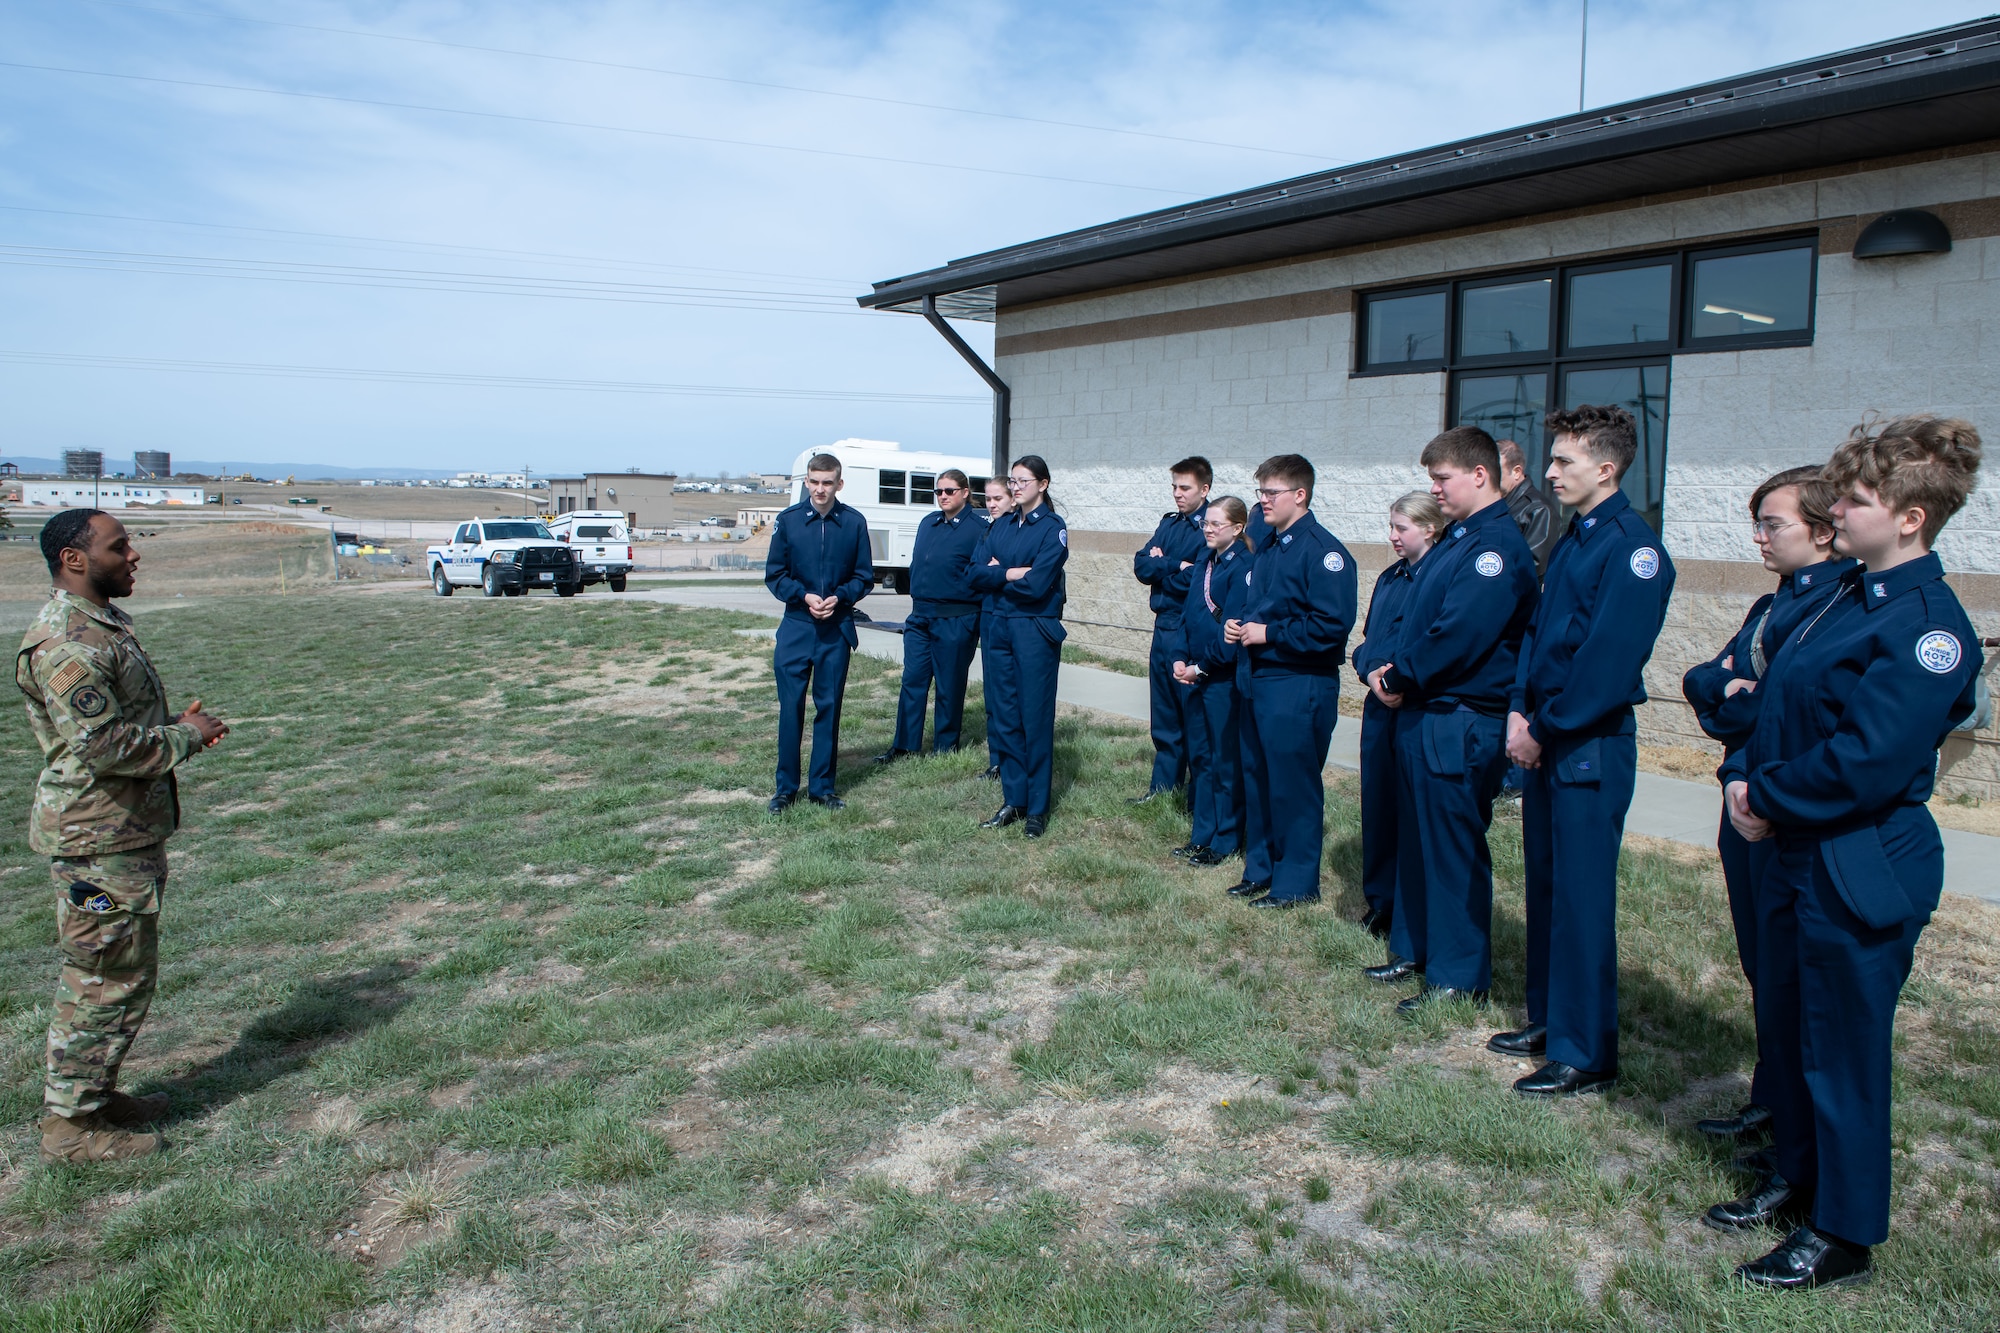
<point>92,1138</point>
<point>128,1112</point>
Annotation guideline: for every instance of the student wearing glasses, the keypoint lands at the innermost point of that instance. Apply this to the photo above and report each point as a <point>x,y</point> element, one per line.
<point>943,627</point>
<point>1204,664</point>
<point>999,504</point>
<point>1021,564</point>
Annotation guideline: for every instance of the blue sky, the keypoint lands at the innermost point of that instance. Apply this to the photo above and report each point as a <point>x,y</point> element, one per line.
<point>171,208</point>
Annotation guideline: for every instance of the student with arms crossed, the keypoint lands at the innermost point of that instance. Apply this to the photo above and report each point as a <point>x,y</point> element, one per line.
<point>1792,524</point>
<point>1293,638</point>
<point>1837,773</point>
<point>1205,666</point>
<point>1572,729</point>
<point>999,503</point>
<point>943,628</point>
<point>1165,564</point>
<point>1449,676</point>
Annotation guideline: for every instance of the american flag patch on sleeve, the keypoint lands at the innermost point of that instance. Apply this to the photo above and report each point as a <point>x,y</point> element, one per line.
<point>67,675</point>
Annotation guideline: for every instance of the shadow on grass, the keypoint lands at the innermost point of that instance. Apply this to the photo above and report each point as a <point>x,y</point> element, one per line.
<point>322,1012</point>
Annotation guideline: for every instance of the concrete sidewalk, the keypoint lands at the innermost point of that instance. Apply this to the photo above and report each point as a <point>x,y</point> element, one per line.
<point>1684,812</point>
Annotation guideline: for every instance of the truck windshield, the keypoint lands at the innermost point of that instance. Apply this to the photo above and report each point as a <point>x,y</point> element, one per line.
<point>501,532</point>
<point>603,532</point>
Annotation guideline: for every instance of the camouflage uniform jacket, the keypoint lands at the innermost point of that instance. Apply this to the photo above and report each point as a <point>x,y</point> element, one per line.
<point>109,749</point>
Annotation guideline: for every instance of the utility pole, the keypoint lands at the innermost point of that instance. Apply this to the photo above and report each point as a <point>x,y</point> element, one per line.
<point>1583,56</point>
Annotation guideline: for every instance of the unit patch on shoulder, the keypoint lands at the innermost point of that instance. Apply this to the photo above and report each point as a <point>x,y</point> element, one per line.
<point>88,701</point>
<point>1333,562</point>
<point>1645,562</point>
<point>1938,652</point>
<point>1489,563</point>
<point>67,675</point>
<point>1062,536</point>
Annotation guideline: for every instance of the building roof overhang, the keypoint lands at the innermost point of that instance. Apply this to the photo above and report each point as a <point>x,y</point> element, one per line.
<point>1929,91</point>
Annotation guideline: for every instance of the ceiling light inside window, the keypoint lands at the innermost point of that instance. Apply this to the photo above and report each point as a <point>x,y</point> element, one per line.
<point>1713,309</point>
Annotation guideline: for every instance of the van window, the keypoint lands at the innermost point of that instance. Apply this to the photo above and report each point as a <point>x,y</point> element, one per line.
<point>891,489</point>
<point>603,532</point>
<point>978,496</point>
<point>923,488</point>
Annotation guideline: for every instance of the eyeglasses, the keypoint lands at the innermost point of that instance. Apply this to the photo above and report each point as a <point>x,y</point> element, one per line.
<point>1219,525</point>
<point>1019,484</point>
<point>1273,492</point>
<point>1765,527</point>
<point>951,490</point>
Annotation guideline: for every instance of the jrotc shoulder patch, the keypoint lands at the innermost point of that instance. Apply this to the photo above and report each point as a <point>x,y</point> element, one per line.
<point>88,702</point>
<point>1645,562</point>
<point>1334,564</point>
<point>67,675</point>
<point>1489,563</point>
<point>1062,536</point>
<point>1938,652</point>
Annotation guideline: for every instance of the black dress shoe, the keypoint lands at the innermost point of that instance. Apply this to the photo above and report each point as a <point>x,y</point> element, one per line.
<point>1438,995</point>
<point>1037,826</point>
<point>828,802</point>
<point>1772,1203</point>
<point>993,773</point>
<point>1269,903</point>
<point>1752,1122</point>
<point>1807,1259</point>
<point>1376,922</point>
<point>1206,856</point>
<point>1530,1040</point>
<point>1005,815</point>
<point>891,756</point>
<point>1243,888</point>
<point>780,804</point>
<point>1398,968</point>
<point>1556,1079</point>
<point>1188,848</point>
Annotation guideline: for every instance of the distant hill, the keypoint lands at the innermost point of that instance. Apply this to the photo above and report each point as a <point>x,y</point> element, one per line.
<point>262,471</point>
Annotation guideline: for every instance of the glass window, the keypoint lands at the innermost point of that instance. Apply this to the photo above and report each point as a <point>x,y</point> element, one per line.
<point>510,532</point>
<point>1402,329</point>
<point>1505,319</point>
<point>463,535</point>
<point>977,497</point>
<point>1625,305</point>
<point>1642,391</point>
<point>890,490</point>
<point>1507,406</point>
<point>922,488</point>
<point>1750,295</point>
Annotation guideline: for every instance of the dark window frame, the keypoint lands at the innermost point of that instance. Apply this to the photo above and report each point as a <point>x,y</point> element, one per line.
<point>1679,341</point>
<point>888,494</point>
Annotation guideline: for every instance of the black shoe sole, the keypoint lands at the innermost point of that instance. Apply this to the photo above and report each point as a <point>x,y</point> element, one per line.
<point>1535,1052</point>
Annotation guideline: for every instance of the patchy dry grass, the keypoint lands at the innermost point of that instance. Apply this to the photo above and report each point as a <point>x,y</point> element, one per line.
<point>492,999</point>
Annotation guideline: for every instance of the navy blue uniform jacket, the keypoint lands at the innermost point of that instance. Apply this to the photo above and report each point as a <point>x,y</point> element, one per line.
<point>1602,605</point>
<point>827,555</point>
<point>1385,617</point>
<point>1039,541</point>
<point>1304,591</point>
<point>1845,747</point>
<point>1471,598</point>
<point>1179,538</point>
<point>941,564</point>
<point>1799,595</point>
<point>1214,598</point>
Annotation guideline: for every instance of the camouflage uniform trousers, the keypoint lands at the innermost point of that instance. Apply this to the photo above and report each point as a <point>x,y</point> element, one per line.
<point>108,931</point>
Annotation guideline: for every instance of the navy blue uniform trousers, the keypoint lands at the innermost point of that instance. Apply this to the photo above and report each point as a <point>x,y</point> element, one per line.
<point>1379,801</point>
<point>936,650</point>
<point>1287,725</point>
<point>1826,992</point>
<point>1572,822</point>
<point>996,746</point>
<point>812,655</point>
<point>1023,659</point>
<point>1743,868</point>
<point>1215,761</point>
<point>1451,766</point>
<point>1173,721</point>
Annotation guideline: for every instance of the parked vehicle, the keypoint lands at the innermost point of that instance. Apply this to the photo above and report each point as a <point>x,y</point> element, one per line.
<point>894,489</point>
<point>504,557</point>
<point>602,542</point>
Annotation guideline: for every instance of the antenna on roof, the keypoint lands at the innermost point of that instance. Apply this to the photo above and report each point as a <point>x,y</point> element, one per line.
<point>1583,56</point>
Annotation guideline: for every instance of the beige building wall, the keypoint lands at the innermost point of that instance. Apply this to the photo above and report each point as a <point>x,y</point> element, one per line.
<point>1238,366</point>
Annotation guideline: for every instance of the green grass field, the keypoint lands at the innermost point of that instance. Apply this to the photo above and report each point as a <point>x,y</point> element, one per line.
<point>493,999</point>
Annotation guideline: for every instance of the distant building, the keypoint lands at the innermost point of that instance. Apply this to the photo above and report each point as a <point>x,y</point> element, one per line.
<point>647,498</point>
<point>509,481</point>
<point>83,463</point>
<point>87,492</point>
<point>152,464</point>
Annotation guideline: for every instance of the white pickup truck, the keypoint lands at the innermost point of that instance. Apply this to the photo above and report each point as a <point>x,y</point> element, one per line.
<point>602,542</point>
<point>504,557</point>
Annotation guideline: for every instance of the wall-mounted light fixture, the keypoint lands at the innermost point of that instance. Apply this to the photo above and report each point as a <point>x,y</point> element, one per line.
<point>1910,232</point>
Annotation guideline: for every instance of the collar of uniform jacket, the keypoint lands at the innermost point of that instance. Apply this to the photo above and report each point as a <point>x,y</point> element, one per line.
<point>1496,512</point>
<point>107,615</point>
<point>1610,507</point>
<point>1881,589</point>
<point>939,518</point>
<point>1198,516</point>
<point>836,510</point>
<point>1034,515</point>
<point>1821,574</point>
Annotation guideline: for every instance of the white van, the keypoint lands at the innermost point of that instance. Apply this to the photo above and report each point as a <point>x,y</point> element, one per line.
<point>602,542</point>
<point>893,488</point>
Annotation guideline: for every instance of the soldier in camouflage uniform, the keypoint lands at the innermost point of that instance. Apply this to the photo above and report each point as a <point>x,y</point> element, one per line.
<point>104,807</point>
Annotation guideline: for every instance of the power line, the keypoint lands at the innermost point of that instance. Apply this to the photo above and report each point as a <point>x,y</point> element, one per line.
<point>449,378</point>
<point>587,125</point>
<point>720,78</point>
<point>392,242</point>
